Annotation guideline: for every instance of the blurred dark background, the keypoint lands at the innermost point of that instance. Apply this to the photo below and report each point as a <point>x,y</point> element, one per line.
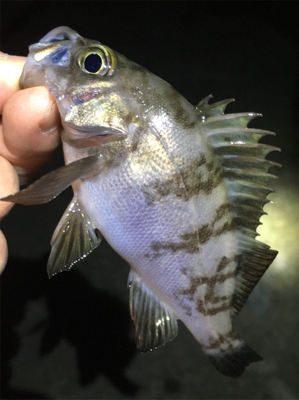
<point>71,337</point>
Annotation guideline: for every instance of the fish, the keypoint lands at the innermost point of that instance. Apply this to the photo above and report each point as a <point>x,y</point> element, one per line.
<point>177,190</point>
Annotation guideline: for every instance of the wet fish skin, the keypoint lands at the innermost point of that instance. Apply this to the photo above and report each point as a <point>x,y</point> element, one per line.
<point>176,190</point>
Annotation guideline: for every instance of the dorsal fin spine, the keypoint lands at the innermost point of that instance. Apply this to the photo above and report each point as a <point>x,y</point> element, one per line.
<point>245,172</point>
<point>203,108</point>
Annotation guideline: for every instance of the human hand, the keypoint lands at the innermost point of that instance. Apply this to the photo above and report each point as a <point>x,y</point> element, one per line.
<point>29,133</point>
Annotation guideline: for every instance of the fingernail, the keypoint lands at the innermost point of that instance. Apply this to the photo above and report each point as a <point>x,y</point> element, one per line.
<point>50,120</point>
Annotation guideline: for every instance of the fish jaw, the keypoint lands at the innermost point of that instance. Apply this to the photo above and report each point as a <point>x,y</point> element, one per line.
<point>98,116</point>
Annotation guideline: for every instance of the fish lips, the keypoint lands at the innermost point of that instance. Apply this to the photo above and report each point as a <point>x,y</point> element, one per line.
<point>91,136</point>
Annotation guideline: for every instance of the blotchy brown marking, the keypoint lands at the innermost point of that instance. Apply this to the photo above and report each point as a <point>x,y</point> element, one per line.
<point>226,227</point>
<point>210,166</point>
<point>223,263</point>
<point>200,307</point>
<point>186,183</point>
<point>204,233</point>
<point>184,271</point>
<point>226,338</point>
<point>181,116</point>
<point>189,243</point>
<point>174,108</point>
<point>210,281</point>
<point>209,298</point>
<point>217,299</point>
<point>192,241</point>
<point>188,310</point>
<point>221,211</point>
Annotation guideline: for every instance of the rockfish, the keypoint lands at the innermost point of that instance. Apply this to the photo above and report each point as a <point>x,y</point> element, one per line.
<point>177,190</point>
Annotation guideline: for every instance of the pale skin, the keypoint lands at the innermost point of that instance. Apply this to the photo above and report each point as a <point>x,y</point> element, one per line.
<point>29,134</point>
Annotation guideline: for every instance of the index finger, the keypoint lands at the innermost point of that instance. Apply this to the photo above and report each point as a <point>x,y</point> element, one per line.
<point>30,121</point>
<point>10,71</point>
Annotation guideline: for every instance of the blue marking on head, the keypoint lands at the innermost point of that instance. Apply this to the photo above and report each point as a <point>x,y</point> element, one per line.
<point>60,55</point>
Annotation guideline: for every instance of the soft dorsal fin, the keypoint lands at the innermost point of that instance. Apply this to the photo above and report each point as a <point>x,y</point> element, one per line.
<point>74,238</point>
<point>246,177</point>
<point>155,324</point>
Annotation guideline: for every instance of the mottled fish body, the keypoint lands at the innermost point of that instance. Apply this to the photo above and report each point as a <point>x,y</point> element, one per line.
<point>176,190</point>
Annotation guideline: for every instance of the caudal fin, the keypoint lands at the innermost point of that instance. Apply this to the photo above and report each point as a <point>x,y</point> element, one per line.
<point>233,361</point>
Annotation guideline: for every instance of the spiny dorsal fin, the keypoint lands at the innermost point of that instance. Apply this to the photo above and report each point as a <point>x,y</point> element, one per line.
<point>205,110</point>
<point>74,238</point>
<point>246,177</point>
<point>155,324</point>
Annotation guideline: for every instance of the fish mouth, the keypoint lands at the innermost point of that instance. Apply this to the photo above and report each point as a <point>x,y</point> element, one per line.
<point>90,136</point>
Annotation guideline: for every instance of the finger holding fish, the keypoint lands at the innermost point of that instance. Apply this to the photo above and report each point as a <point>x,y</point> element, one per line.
<point>10,71</point>
<point>30,130</point>
<point>29,133</point>
<point>8,184</point>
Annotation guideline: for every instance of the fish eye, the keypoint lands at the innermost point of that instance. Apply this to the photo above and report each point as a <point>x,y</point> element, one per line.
<point>93,63</point>
<point>97,60</point>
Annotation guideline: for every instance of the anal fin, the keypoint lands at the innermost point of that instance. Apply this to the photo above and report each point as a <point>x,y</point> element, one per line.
<point>74,238</point>
<point>155,324</point>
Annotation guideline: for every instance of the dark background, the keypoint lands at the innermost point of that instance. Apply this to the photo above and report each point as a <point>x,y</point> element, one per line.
<point>71,337</point>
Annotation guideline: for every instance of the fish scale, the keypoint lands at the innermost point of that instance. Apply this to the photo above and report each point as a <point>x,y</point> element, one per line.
<point>136,247</point>
<point>177,190</point>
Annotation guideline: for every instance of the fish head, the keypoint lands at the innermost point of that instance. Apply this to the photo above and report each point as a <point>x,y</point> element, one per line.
<point>95,88</point>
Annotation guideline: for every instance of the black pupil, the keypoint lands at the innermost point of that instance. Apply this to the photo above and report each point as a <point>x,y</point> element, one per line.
<point>93,63</point>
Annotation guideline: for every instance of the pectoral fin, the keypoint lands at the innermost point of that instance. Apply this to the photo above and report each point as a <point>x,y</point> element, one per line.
<point>155,324</point>
<point>51,185</point>
<point>74,237</point>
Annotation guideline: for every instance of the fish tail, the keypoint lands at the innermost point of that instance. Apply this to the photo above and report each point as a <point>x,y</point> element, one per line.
<point>233,360</point>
